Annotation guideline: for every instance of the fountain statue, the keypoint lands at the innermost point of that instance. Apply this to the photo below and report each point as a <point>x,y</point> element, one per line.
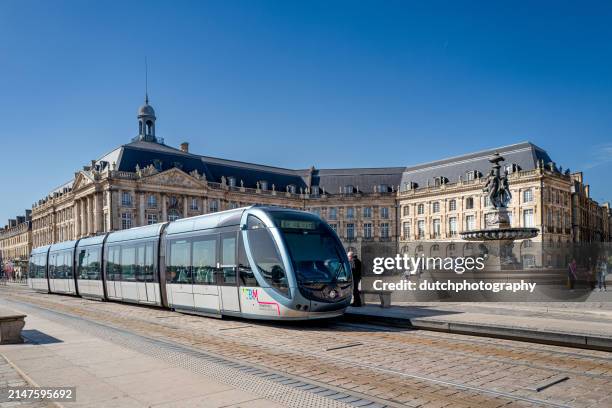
<point>498,235</point>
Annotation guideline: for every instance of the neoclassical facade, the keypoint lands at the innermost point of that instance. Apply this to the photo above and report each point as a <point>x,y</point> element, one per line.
<point>146,181</point>
<point>16,243</point>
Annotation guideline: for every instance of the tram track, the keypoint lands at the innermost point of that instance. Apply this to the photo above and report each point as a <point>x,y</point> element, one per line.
<point>304,363</point>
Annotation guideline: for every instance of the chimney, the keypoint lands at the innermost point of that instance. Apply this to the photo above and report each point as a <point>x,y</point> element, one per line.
<point>587,191</point>
<point>12,223</point>
<point>185,147</point>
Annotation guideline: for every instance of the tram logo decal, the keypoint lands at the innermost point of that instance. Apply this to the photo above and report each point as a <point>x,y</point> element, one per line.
<point>253,294</point>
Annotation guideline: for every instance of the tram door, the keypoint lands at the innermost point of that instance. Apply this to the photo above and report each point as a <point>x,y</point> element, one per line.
<point>204,265</point>
<point>226,278</point>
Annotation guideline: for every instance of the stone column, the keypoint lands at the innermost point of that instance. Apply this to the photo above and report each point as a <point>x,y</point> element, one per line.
<point>109,210</point>
<point>98,227</point>
<point>163,208</point>
<point>90,215</point>
<point>185,206</point>
<point>77,220</point>
<point>141,209</point>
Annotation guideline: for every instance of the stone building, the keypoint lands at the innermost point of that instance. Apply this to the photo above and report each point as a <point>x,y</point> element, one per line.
<point>146,181</point>
<point>16,244</point>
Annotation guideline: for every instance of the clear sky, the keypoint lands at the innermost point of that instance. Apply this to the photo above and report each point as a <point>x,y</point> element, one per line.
<point>295,84</point>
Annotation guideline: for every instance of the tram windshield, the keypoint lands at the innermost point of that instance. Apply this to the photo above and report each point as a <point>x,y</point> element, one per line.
<point>315,251</point>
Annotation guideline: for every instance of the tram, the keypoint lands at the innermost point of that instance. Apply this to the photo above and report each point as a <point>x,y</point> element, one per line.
<point>253,262</point>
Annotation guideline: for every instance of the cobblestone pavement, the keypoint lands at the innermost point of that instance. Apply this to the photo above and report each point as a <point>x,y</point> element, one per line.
<point>401,367</point>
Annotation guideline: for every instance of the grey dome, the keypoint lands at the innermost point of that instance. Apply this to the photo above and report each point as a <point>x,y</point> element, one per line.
<point>146,110</point>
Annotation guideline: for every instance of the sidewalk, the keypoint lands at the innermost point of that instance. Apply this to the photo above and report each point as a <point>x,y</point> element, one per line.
<point>581,325</point>
<point>106,374</point>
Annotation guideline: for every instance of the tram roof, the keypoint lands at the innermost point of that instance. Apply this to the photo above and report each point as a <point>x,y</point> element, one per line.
<point>40,250</point>
<point>207,221</point>
<point>147,231</point>
<point>63,245</point>
<point>97,240</point>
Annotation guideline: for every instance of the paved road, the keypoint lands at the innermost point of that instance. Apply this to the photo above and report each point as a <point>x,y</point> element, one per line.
<point>393,367</point>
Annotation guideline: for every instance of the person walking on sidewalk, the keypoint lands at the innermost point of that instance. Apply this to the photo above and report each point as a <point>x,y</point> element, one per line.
<point>356,269</point>
<point>602,272</point>
<point>572,274</point>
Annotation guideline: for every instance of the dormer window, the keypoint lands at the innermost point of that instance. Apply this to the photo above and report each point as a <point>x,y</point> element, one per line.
<point>263,184</point>
<point>292,188</point>
<point>381,188</point>
<point>471,175</point>
<point>512,168</point>
<point>349,189</point>
<point>314,190</point>
<point>438,181</point>
<point>231,181</point>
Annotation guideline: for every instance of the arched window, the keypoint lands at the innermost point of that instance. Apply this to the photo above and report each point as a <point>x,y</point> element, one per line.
<point>149,127</point>
<point>140,127</point>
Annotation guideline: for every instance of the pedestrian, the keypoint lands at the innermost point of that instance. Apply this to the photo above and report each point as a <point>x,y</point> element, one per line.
<point>356,270</point>
<point>572,274</point>
<point>602,272</point>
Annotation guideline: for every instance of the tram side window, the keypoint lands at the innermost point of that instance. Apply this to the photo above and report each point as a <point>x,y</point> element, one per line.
<point>145,269</point>
<point>178,269</point>
<point>128,263</point>
<point>88,266</point>
<point>69,264</point>
<point>266,256</point>
<point>113,267</point>
<point>247,277</point>
<point>228,248</point>
<point>82,264</point>
<point>204,260</point>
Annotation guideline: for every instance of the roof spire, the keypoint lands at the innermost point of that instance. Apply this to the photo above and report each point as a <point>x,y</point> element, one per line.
<point>146,81</point>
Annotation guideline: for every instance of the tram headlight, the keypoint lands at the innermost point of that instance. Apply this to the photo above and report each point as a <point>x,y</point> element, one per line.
<point>333,294</point>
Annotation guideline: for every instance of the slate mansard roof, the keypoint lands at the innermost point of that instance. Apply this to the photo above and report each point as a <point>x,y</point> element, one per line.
<point>126,157</point>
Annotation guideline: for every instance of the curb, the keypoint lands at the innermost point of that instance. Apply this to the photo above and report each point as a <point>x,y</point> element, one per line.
<point>567,339</point>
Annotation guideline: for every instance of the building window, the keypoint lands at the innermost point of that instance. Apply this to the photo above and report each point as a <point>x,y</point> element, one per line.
<point>469,203</point>
<point>528,218</point>
<point>406,230</point>
<point>528,196</point>
<point>470,223</point>
<point>452,226</point>
<point>233,205</point>
<point>367,230</point>
<point>231,181</point>
<point>151,219</point>
<point>213,206</point>
<point>263,185</point>
<point>350,231</point>
<point>126,220</point>
<point>350,213</point>
<point>452,205</point>
<point>421,209</point>
<point>333,213</point>
<point>316,211</point>
<point>292,188</point>
<point>194,204</point>
<point>436,207</point>
<point>436,228</point>
<point>510,218</point>
<point>406,210</point>
<point>384,230</point>
<point>173,215</point>
<point>384,212</point>
<point>421,229</point>
<point>487,201</point>
<point>349,189</point>
<point>126,199</point>
<point>152,201</point>
<point>367,212</point>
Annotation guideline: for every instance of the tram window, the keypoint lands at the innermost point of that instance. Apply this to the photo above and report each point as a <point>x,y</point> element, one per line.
<point>68,264</point>
<point>144,264</point>
<point>247,277</point>
<point>268,259</point>
<point>204,261</point>
<point>128,263</point>
<point>228,248</point>
<point>113,267</point>
<point>82,264</point>
<point>178,269</point>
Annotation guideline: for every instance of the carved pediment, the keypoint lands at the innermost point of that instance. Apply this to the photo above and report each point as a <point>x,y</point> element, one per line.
<point>173,177</point>
<point>81,180</point>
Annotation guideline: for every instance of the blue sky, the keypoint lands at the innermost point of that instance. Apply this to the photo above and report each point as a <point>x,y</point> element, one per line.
<point>294,84</point>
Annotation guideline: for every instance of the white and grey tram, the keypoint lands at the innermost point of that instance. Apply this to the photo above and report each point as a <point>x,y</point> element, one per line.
<point>255,262</point>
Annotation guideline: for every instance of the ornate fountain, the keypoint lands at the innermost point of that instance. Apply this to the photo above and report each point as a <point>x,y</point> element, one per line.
<point>499,236</point>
